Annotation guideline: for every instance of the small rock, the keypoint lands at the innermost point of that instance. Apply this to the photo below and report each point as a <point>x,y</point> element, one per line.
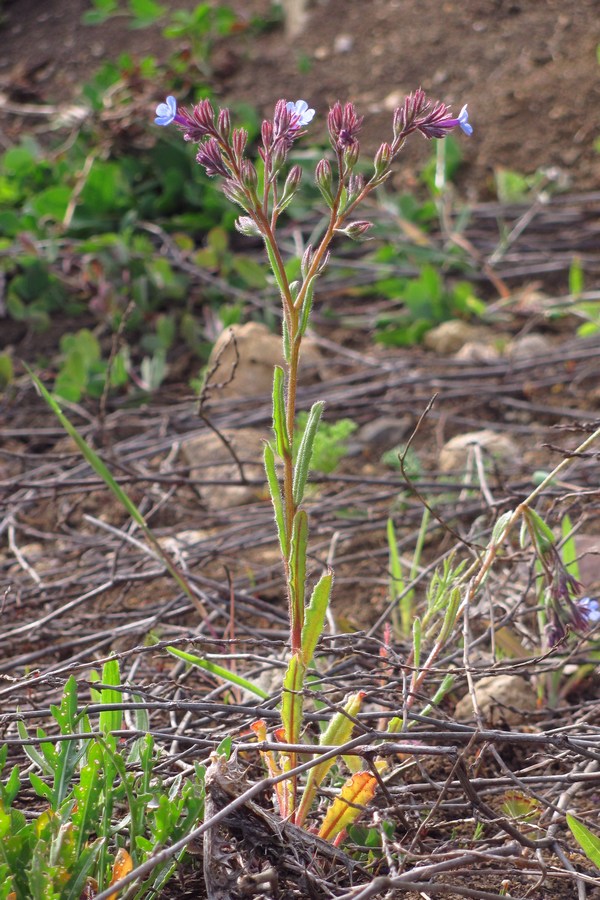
<point>502,700</point>
<point>209,459</point>
<point>244,357</point>
<point>449,337</point>
<point>528,345</point>
<point>383,434</point>
<point>477,352</point>
<point>455,452</point>
<point>343,43</point>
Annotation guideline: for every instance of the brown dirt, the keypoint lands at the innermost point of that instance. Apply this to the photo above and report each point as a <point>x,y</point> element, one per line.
<point>527,69</point>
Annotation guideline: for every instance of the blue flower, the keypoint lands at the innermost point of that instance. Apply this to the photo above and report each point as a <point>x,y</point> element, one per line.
<point>591,609</point>
<point>463,121</point>
<point>300,113</point>
<point>166,112</point>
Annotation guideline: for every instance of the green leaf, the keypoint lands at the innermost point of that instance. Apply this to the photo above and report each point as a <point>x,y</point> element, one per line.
<point>305,452</point>
<point>314,617</point>
<point>111,719</point>
<point>282,437</point>
<point>219,671</point>
<point>589,842</point>
<point>307,303</point>
<point>500,525</point>
<point>297,568</point>
<point>275,492</point>
<point>292,700</point>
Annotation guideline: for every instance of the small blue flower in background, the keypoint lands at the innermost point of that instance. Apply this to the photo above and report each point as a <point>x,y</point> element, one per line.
<point>463,121</point>
<point>166,112</point>
<point>300,113</point>
<point>591,609</point>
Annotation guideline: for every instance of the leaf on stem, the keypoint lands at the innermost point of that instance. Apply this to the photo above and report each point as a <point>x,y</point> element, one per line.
<point>359,790</point>
<point>305,451</point>
<point>314,616</point>
<point>282,437</point>
<point>275,492</point>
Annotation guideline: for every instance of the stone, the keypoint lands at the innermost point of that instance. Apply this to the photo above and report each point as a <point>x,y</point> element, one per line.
<point>502,700</point>
<point>528,345</point>
<point>383,434</point>
<point>209,459</point>
<point>477,352</point>
<point>455,452</point>
<point>449,337</point>
<point>242,360</point>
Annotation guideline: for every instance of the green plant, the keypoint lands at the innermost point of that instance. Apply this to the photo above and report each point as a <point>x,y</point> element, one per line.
<point>105,809</point>
<point>426,302</point>
<point>587,840</point>
<point>329,446</point>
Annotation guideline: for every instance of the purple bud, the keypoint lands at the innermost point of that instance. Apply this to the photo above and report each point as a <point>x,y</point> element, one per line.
<point>355,230</point>
<point>343,124</point>
<point>239,140</point>
<point>356,184</point>
<point>224,124</point>
<point>209,155</point>
<point>307,257</point>
<point>293,179</point>
<point>266,131</point>
<point>248,175</point>
<point>234,192</point>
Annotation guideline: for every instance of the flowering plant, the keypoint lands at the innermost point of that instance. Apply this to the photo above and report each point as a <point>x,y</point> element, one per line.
<point>222,151</point>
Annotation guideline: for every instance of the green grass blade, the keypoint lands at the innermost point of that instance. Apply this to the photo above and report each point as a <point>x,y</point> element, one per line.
<point>219,671</point>
<point>90,456</point>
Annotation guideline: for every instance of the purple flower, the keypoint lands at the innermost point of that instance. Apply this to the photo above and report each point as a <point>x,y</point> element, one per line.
<point>166,112</point>
<point>437,123</point>
<point>300,114</point>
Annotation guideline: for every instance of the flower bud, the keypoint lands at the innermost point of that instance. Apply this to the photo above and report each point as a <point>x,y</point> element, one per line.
<point>324,180</point>
<point>382,160</point>
<point>266,131</point>
<point>239,139</point>
<point>290,187</point>
<point>307,257</point>
<point>224,124</point>
<point>234,192</point>
<point>247,226</point>
<point>356,184</point>
<point>355,230</point>
<point>248,175</point>
<point>351,154</point>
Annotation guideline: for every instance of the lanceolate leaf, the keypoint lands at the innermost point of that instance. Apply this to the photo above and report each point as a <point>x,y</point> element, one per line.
<point>291,702</point>
<point>305,452</point>
<point>307,304</point>
<point>359,790</point>
<point>337,732</point>
<point>589,842</point>
<point>279,425</point>
<point>275,492</point>
<point>314,617</point>
<point>297,569</point>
